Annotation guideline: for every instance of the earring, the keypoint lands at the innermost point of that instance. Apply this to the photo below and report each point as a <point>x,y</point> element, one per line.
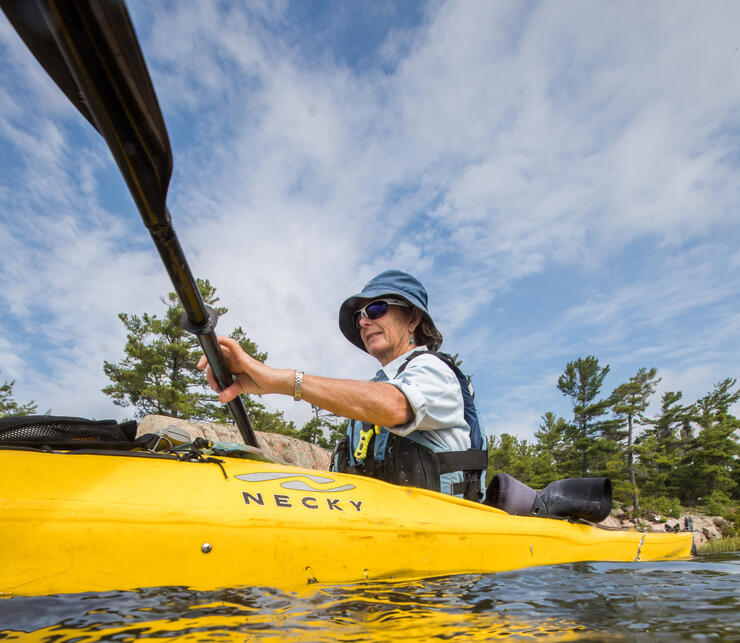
<point>411,341</point>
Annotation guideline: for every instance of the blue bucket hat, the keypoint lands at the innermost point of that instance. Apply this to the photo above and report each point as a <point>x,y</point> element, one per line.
<point>390,282</point>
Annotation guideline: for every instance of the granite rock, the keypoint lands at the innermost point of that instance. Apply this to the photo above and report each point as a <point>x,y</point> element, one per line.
<point>704,528</point>
<point>280,448</point>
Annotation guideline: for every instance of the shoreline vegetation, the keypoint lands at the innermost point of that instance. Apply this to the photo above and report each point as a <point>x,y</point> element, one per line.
<point>722,545</point>
<point>684,460</point>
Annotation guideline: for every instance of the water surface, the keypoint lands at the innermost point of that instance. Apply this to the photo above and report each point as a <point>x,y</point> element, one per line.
<point>697,599</point>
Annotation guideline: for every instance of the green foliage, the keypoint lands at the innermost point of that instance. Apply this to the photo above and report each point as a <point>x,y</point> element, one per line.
<point>8,405</point>
<point>264,420</point>
<point>732,515</point>
<point>628,402</point>
<point>663,445</point>
<point>716,503</point>
<point>724,544</point>
<point>315,429</point>
<point>159,373</point>
<point>631,398</point>
<point>582,381</point>
<point>661,505</point>
<point>550,451</point>
<point>674,420</point>
<point>509,455</point>
<point>710,465</point>
<point>687,454</point>
<point>621,491</point>
<point>615,468</point>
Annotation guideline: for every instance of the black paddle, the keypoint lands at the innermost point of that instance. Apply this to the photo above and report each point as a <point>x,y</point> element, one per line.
<point>90,50</point>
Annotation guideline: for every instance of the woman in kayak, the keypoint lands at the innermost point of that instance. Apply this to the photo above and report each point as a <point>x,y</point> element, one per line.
<point>415,423</point>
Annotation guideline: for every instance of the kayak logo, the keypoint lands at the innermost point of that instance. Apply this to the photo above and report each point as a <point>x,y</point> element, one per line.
<point>298,482</point>
<point>294,483</point>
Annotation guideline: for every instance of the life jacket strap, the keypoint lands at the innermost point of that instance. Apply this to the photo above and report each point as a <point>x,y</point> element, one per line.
<point>450,461</point>
<point>466,389</point>
<point>469,488</point>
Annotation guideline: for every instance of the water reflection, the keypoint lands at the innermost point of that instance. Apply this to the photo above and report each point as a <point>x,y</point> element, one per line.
<point>581,601</point>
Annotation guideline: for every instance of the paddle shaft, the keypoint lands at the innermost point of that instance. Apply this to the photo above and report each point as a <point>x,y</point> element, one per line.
<point>92,37</point>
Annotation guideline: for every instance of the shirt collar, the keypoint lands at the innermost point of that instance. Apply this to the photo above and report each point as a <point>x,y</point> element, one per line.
<point>391,368</point>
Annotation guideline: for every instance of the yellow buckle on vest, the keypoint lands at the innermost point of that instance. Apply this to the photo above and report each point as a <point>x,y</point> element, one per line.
<point>364,444</point>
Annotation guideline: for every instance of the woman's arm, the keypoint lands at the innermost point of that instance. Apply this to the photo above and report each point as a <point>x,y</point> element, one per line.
<point>375,402</point>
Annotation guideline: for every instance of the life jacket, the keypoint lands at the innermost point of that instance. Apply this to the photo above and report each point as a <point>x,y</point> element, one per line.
<point>379,453</point>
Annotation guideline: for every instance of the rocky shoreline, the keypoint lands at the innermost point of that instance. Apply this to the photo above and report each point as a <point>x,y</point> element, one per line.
<point>281,448</point>
<point>704,528</point>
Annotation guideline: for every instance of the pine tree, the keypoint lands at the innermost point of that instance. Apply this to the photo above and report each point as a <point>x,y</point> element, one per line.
<point>630,401</point>
<point>8,405</point>
<point>550,451</point>
<point>159,373</point>
<point>509,455</point>
<point>663,445</point>
<point>313,431</point>
<point>582,381</point>
<point>714,458</point>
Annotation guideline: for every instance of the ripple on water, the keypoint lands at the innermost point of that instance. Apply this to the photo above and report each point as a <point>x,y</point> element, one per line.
<point>582,601</point>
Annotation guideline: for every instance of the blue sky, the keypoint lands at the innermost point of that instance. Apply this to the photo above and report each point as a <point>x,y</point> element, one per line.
<point>561,176</point>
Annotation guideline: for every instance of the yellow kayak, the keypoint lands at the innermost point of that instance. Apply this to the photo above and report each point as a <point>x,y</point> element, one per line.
<point>74,522</point>
<point>81,522</point>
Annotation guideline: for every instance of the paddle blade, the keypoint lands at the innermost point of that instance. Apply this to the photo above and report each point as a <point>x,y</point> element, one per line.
<point>90,50</point>
<point>29,23</point>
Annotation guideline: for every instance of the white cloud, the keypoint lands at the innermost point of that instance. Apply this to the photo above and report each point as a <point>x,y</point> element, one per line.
<point>497,142</point>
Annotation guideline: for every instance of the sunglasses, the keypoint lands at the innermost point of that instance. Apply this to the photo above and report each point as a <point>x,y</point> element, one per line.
<point>377,308</point>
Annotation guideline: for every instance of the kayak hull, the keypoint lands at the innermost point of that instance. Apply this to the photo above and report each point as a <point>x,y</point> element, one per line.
<point>80,522</point>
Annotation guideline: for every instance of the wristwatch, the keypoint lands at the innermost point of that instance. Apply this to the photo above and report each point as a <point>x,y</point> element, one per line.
<point>298,385</point>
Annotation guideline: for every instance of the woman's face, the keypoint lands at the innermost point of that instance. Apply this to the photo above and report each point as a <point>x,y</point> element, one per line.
<point>389,336</point>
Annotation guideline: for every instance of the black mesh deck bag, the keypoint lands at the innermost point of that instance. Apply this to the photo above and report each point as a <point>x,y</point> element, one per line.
<point>43,429</point>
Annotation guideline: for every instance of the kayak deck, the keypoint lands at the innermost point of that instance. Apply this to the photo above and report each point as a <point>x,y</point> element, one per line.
<point>76,522</point>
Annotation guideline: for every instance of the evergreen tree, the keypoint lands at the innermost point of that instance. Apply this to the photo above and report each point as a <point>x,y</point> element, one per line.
<point>716,405</point>
<point>314,430</point>
<point>672,419</point>
<point>159,373</point>
<point>8,405</point>
<point>582,381</point>
<point>630,401</point>
<point>509,455</point>
<point>714,458</point>
<point>550,451</point>
<point>663,445</point>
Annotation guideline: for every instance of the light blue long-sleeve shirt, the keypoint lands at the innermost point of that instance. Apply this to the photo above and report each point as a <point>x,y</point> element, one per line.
<point>433,392</point>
